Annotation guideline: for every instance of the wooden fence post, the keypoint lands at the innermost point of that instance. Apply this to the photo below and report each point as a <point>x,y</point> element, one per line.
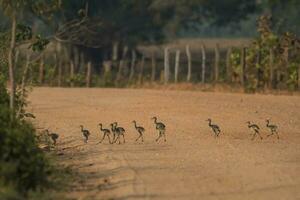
<point>189,57</point>
<point>153,66</point>
<point>122,63</point>
<point>76,58</point>
<point>228,64</point>
<point>115,51</point>
<point>217,62</point>
<point>88,74</point>
<point>271,63</point>
<point>177,61</point>
<point>24,76</point>
<point>203,63</point>
<point>141,70</point>
<point>243,66</point>
<point>82,63</point>
<point>72,69</point>
<point>132,65</point>
<point>298,77</point>
<point>41,70</point>
<point>166,66</point>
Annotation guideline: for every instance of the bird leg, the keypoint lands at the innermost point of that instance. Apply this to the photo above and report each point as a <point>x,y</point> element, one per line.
<point>277,134</point>
<point>158,136</point>
<point>254,135</point>
<point>260,135</point>
<point>103,138</point>
<point>123,138</point>
<point>138,138</point>
<point>109,139</point>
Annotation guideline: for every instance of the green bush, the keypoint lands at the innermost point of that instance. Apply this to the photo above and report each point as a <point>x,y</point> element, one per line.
<point>23,166</point>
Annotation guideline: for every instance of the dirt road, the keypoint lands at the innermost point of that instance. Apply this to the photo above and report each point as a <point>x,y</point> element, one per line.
<point>192,164</point>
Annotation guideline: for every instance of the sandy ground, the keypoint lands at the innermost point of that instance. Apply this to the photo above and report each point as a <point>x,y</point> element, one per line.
<point>192,164</point>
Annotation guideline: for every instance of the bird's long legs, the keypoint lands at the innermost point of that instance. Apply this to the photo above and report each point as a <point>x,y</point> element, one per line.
<point>141,136</point>
<point>161,133</point>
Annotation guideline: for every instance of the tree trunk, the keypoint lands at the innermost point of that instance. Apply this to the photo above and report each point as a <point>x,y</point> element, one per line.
<point>153,67</point>
<point>11,66</point>
<point>217,62</point>
<point>177,61</point>
<point>189,57</point>
<point>88,74</point>
<point>142,70</point>
<point>166,66</point>
<point>132,65</point>
<point>203,63</point>
<point>228,65</point>
<point>41,70</point>
<point>72,73</point>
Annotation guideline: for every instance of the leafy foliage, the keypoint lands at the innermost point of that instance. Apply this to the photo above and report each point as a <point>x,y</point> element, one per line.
<point>270,54</point>
<point>23,165</point>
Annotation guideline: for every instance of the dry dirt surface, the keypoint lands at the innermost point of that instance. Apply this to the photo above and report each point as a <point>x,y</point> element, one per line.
<point>192,164</point>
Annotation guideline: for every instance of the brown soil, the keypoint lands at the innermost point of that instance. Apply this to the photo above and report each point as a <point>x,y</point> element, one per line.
<point>192,164</point>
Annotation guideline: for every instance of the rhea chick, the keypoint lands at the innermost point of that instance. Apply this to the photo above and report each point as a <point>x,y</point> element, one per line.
<point>255,128</point>
<point>140,130</point>
<point>86,133</point>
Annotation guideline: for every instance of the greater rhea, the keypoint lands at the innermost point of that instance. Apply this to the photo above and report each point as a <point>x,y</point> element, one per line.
<point>161,129</point>
<point>106,133</point>
<point>273,128</point>
<point>140,130</point>
<point>53,136</point>
<point>86,133</point>
<point>216,129</point>
<point>255,128</point>
<point>119,131</point>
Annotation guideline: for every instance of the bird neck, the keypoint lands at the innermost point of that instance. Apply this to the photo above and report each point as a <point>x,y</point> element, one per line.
<point>268,123</point>
<point>209,123</point>
<point>101,127</point>
<point>81,128</point>
<point>155,120</point>
<point>135,124</point>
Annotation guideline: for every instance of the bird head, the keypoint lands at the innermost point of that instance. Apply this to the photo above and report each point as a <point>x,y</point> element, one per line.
<point>99,124</point>
<point>155,118</point>
<point>81,126</point>
<point>267,120</point>
<point>248,122</point>
<point>133,121</point>
<point>115,123</point>
<point>208,120</point>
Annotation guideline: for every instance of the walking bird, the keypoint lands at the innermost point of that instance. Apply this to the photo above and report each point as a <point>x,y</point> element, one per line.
<point>216,129</point>
<point>119,131</point>
<point>255,128</point>
<point>53,136</point>
<point>140,130</point>
<point>85,134</point>
<point>161,128</point>
<point>273,128</point>
<point>106,132</point>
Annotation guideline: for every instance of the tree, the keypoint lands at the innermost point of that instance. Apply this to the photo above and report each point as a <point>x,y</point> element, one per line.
<point>13,8</point>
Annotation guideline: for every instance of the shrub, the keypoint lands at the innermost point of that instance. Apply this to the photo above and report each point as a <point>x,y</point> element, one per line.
<point>23,165</point>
